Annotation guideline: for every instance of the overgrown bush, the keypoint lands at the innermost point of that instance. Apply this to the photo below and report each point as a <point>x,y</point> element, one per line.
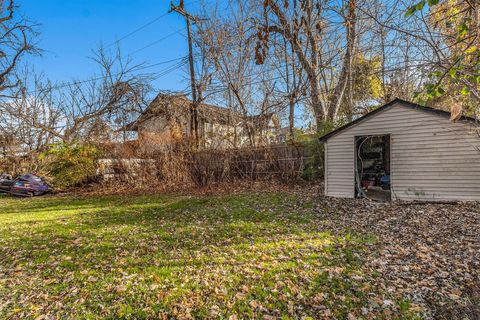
<point>70,164</point>
<point>314,152</point>
<point>314,160</point>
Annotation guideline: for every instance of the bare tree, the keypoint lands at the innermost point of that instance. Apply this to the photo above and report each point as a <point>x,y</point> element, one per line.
<point>246,88</point>
<point>80,111</point>
<point>337,59</point>
<point>28,124</point>
<point>305,24</point>
<point>16,40</point>
<point>106,102</point>
<point>439,48</point>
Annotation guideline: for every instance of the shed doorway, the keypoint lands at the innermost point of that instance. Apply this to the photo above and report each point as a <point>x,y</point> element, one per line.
<point>372,167</point>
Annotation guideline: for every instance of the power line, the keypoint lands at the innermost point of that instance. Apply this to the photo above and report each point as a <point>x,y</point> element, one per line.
<point>142,27</point>
<point>66,84</point>
<point>215,88</point>
<point>137,30</point>
<point>172,68</point>
<point>157,41</point>
<point>223,88</point>
<point>163,72</point>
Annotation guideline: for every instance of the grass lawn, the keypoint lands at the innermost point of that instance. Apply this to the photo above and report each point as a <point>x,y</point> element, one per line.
<point>135,257</point>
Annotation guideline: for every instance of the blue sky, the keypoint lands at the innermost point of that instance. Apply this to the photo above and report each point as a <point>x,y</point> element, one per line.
<point>71,29</point>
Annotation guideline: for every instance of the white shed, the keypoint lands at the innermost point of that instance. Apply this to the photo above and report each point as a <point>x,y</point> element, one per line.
<point>404,151</point>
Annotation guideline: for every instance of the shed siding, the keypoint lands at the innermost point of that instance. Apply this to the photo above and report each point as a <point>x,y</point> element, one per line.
<point>432,158</point>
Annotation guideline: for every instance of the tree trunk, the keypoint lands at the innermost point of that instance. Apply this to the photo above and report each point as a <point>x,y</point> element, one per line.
<point>345,74</point>
<point>291,116</point>
<point>309,64</point>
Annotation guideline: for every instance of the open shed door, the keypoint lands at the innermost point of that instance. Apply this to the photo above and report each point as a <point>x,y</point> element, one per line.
<point>372,167</point>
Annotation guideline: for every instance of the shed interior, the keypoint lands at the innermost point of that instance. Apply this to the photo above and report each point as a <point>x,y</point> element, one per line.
<point>372,167</point>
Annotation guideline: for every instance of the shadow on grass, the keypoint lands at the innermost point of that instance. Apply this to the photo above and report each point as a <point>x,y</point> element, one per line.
<point>176,248</point>
<point>149,225</point>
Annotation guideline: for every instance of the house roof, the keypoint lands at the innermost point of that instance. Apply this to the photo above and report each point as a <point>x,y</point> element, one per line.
<point>179,105</point>
<point>263,120</point>
<point>411,105</point>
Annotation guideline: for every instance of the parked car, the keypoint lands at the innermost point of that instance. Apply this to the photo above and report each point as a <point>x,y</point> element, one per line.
<point>29,185</point>
<point>6,182</point>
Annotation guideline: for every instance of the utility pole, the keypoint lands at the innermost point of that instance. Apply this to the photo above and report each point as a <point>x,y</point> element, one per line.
<point>180,9</point>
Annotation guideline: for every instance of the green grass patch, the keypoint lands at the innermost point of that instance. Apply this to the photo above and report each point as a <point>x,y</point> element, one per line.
<point>141,257</point>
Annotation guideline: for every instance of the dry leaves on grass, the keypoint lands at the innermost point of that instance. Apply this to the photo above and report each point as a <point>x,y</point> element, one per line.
<point>429,253</point>
<point>291,254</point>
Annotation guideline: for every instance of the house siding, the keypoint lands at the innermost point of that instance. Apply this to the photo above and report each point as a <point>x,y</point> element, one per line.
<point>432,158</point>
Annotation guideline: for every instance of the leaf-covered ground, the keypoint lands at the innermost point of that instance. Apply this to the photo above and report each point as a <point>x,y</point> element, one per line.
<point>274,255</point>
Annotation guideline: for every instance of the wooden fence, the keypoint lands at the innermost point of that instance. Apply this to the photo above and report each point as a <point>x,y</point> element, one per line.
<point>284,163</point>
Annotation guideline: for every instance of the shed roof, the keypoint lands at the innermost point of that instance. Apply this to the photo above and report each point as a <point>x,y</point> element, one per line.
<point>412,105</point>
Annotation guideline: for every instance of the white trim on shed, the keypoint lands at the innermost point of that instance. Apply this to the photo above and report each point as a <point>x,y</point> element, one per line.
<point>432,158</point>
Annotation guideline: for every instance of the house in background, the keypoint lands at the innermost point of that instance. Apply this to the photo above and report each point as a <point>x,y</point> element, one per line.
<point>166,122</point>
<point>404,151</point>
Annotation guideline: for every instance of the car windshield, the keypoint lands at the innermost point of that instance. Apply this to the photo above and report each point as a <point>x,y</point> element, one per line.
<point>36,179</point>
<point>31,178</point>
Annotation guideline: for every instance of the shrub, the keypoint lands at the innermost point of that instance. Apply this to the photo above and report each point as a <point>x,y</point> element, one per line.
<point>69,164</point>
<point>314,160</point>
<point>314,151</point>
